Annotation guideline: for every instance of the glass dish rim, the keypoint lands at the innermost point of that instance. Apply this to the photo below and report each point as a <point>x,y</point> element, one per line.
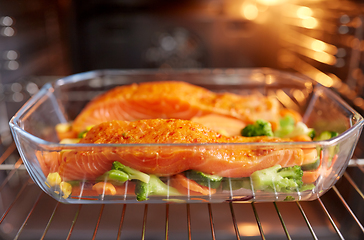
<point>49,87</point>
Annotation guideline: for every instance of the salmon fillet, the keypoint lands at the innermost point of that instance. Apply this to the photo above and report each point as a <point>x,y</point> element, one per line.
<point>175,100</point>
<point>174,154</point>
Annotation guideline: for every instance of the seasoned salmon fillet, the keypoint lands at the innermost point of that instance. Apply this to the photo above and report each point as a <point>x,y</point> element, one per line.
<point>174,100</point>
<point>163,147</point>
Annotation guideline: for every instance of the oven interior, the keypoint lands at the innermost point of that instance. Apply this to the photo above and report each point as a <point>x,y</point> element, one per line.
<point>42,40</point>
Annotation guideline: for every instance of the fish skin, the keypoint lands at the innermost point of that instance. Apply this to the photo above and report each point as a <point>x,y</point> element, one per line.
<point>172,155</point>
<point>175,100</point>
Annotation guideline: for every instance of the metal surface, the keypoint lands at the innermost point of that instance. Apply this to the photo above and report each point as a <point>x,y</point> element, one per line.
<point>28,213</point>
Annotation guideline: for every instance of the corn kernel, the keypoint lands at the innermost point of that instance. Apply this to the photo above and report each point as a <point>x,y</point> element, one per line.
<point>66,189</point>
<point>83,133</point>
<point>69,141</point>
<point>104,188</point>
<point>54,179</point>
<point>63,127</point>
<point>223,132</point>
<point>88,128</point>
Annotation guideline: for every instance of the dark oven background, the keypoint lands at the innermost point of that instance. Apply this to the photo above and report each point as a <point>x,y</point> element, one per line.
<point>168,34</point>
<point>58,37</point>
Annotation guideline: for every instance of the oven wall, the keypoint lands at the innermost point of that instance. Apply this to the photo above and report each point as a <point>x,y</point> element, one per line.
<point>182,34</point>
<point>31,39</point>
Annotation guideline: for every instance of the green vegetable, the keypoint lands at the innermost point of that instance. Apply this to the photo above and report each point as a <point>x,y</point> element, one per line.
<point>306,187</point>
<point>313,165</point>
<point>235,183</point>
<point>312,133</point>
<point>120,174</point>
<point>300,129</point>
<point>155,186</point>
<point>286,126</point>
<point>289,198</point>
<point>259,128</point>
<point>83,133</point>
<point>325,135</point>
<point>117,175</point>
<point>278,179</point>
<point>204,179</point>
<point>74,183</point>
<point>132,173</point>
<point>286,121</point>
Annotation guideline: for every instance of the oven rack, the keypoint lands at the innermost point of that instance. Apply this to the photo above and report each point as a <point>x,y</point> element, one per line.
<point>28,213</point>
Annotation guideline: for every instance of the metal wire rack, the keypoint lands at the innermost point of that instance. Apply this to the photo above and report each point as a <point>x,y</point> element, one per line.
<point>28,213</point>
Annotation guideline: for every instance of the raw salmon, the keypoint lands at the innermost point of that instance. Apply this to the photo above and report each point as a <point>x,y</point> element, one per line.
<point>227,126</point>
<point>49,161</point>
<point>175,100</point>
<point>171,151</point>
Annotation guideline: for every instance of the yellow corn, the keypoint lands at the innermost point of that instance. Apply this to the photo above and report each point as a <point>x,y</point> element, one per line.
<point>66,189</point>
<point>104,188</point>
<point>63,127</point>
<point>88,128</point>
<point>69,141</point>
<point>54,179</point>
<point>223,132</point>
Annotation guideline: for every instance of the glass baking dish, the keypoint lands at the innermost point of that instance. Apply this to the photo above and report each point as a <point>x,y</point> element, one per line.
<point>33,128</point>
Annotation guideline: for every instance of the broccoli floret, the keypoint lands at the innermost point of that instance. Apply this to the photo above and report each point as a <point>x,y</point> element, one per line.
<point>155,186</point>
<point>325,135</point>
<point>293,172</point>
<point>204,179</point>
<point>290,131</point>
<point>289,198</point>
<point>278,179</point>
<point>120,174</point>
<point>115,176</point>
<point>286,126</point>
<point>259,128</point>
<point>286,121</point>
<point>312,133</point>
<point>132,173</point>
<point>313,165</point>
<point>235,183</point>
<point>306,187</point>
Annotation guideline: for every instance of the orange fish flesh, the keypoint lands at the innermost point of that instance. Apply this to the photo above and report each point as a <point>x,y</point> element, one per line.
<point>175,100</point>
<point>174,153</point>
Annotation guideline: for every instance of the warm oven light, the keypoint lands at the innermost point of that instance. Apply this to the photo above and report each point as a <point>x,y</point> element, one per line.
<point>249,11</point>
<point>271,2</point>
<point>304,12</point>
<point>309,22</point>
